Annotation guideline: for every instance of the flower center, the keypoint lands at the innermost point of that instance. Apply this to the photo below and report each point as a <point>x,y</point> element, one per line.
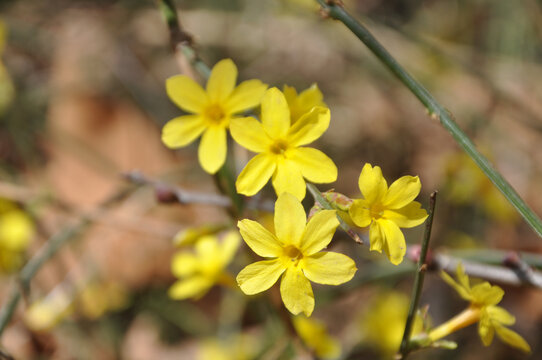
<point>279,147</point>
<point>215,114</point>
<point>377,210</point>
<point>293,253</point>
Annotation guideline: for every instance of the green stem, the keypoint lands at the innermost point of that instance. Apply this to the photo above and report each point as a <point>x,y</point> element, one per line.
<point>435,110</point>
<point>418,280</point>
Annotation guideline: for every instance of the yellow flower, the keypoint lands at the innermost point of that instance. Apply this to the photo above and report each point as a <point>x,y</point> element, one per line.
<point>294,252</point>
<point>97,298</point>
<point>212,111</point>
<point>279,146</point>
<point>46,313</point>
<point>386,210</point>
<point>483,309</point>
<point>16,231</point>
<point>199,271</point>
<point>304,102</point>
<point>314,335</point>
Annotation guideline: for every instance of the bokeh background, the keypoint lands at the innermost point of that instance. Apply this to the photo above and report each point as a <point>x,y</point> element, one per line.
<point>82,100</point>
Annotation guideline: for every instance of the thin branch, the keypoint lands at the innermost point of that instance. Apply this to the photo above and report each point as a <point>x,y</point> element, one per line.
<point>317,195</point>
<point>496,274</point>
<point>418,280</point>
<point>436,111</point>
<point>167,193</point>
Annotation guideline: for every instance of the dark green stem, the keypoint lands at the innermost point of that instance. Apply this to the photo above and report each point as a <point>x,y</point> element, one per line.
<point>435,110</point>
<point>418,280</point>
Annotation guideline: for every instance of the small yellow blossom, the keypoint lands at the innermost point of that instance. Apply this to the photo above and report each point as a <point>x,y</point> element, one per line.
<point>279,144</point>
<point>236,347</point>
<point>302,103</point>
<point>199,271</point>
<point>97,298</point>
<point>212,111</point>
<point>315,336</point>
<point>46,313</point>
<point>16,231</point>
<point>483,309</point>
<point>294,252</point>
<point>385,210</point>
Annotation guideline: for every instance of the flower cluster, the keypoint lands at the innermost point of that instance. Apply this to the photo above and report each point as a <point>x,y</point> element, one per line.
<point>288,121</point>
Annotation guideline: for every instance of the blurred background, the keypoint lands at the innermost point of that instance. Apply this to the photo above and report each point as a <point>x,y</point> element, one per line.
<point>82,100</point>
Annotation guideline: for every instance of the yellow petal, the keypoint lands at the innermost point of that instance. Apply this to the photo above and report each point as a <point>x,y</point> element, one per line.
<point>259,239</point>
<point>182,130</point>
<point>212,149</point>
<point>290,219</point>
<point>259,276</point>
<point>329,268</point>
<point>512,338</point>
<point>184,264</point>
<point>288,178</point>
<point>296,292</point>
<point>309,127</point>
<point>275,114</point>
<point>372,184</point>
<point>186,93</point>
<point>360,214</point>
<point>497,313</point>
<point>461,290</point>
<point>486,294</point>
<point>315,166</point>
<point>376,237</point>
<point>229,247</point>
<point>250,134</point>
<point>408,216</point>
<point>193,287</point>
<point>319,232</point>
<point>315,336</point>
<point>394,243</point>
<point>486,331</point>
<point>245,96</point>
<point>462,277</point>
<point>221,81</point>
<point>255,174</point>
<point>402,191</point>
<point>306,100</point>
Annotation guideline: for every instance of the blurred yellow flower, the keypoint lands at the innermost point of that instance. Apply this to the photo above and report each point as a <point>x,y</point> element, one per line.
<point>236,347</point>
<point>385,210</point>
<point>46,313</point>
<point>279,144</point>
<point>199,271</point>
<point>302,103</point>
<point>212,111</point>
<point>383,324</point>
<point>315,336</point>
<point>16,231</point>
<point>191,235</point>
<point>294,252</point>
<point>483,309</point>
<point>97,298</point>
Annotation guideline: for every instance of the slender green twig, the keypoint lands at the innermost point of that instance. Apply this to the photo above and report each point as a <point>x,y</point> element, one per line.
<point>418,280</point>
<point>48,250</point>
<point>435,109</point>
<point>317,195</point>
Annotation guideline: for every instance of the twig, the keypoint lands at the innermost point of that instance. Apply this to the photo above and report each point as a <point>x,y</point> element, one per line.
<point>418,280</point>
<point>47,251</point>
<point>435,110</point>
<point>167,193</point>
<point>497,274</point>
<point>317,195</point>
